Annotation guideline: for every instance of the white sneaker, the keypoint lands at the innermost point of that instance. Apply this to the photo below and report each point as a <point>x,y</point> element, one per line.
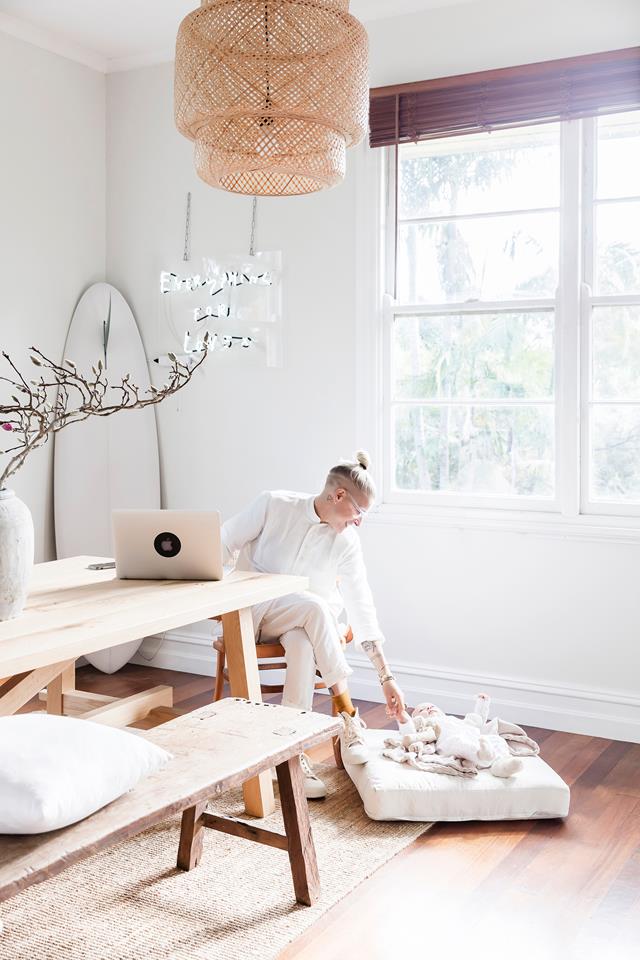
<point>352,745</point>
<point>314,787</point>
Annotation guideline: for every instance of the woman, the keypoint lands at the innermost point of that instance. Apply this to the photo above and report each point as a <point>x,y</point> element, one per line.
<point>315,536</point>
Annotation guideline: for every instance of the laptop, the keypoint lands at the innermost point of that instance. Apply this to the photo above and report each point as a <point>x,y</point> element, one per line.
<point>167,544</point>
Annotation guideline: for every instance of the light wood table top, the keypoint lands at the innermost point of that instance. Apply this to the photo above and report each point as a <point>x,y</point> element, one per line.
<point>72,610</point>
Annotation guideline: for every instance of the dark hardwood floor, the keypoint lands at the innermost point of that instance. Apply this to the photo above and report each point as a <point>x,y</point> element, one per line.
<point>534,889</point>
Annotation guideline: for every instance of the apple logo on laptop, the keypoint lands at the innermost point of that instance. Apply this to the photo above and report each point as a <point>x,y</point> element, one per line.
<point>167,544</point>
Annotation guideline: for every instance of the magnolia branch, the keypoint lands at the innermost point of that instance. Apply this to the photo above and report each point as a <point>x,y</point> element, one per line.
<point>60,395</point>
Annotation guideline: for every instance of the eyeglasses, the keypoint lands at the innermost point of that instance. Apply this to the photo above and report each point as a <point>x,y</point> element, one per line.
<point>361,511</point>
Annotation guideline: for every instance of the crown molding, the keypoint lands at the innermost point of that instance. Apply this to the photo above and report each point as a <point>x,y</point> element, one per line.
<point>138,60</point>
<point>48,40</point>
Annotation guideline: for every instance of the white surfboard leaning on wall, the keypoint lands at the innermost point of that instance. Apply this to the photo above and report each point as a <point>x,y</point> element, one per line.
<point>105,463</point>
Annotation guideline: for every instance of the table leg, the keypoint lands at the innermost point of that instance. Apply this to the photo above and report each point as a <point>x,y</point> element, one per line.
<point>17,691</point>
<point>65,682</point>
<point>295,813</point>
<point>244,680</point>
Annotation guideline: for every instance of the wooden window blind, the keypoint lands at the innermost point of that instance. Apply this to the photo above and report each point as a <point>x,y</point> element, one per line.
<point>494,99</point>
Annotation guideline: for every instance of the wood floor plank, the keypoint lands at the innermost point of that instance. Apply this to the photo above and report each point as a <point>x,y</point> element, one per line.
<point>595,774</point>
<point>625,775</point>
<point>615,923</point>
<point>571,754</point>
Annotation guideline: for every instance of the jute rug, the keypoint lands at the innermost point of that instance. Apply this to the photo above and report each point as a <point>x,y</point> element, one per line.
<point>131,903</point>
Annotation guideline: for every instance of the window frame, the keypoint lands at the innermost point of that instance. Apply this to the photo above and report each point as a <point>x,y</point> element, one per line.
<point>569,514</point>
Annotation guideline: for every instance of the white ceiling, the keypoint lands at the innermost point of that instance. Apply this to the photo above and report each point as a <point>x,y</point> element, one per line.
<point>121,34</point>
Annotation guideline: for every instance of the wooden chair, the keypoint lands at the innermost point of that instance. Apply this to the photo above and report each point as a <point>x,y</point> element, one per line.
<point>267,653</point>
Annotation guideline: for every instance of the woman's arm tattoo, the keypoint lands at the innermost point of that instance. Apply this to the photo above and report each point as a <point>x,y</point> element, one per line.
<point>373,649</point>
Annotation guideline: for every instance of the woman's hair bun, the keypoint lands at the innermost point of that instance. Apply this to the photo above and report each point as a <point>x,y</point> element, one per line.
<point>363,459</point>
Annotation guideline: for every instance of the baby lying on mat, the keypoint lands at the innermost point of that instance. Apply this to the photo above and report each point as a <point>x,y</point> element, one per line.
<point>438,743</point>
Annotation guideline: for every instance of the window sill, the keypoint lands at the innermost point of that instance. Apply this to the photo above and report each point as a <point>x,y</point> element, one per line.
<point>547,525</point>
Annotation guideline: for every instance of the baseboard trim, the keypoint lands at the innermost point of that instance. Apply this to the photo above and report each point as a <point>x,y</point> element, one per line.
<point>595,713</point>
<point>188,651</point>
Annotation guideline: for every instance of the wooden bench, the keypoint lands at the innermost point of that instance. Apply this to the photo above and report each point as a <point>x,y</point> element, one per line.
<point>214,749</point>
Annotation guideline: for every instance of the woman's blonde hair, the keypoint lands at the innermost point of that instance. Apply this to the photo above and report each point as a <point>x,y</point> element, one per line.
<point>356,471</point>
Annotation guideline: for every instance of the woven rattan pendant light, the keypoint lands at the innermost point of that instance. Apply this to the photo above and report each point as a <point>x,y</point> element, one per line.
<point>272,92</point>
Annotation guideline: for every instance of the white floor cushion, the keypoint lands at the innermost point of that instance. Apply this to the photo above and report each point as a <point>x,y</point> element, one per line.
<point>394,791</point>
<point>55,771</point>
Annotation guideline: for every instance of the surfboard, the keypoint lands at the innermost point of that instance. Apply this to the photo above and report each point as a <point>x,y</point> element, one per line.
<point>104,463</point>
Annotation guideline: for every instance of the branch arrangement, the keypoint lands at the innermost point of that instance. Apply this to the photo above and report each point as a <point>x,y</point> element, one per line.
<point>61,396</point>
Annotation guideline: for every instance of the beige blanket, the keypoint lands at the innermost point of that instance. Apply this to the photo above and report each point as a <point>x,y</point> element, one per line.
<point>520,745</point>
<point>429,762</point>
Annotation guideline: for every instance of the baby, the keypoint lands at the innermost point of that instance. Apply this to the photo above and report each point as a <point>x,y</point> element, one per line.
<point>474,738</point>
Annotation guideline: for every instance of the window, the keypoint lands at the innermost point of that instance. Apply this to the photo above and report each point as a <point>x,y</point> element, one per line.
<point>482,339</point>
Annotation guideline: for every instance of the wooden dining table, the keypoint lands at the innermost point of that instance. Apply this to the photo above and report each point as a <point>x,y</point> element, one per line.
<point>73,610</point>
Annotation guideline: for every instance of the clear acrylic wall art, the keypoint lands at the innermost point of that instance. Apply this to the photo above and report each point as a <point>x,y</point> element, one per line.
<point>237,300</point>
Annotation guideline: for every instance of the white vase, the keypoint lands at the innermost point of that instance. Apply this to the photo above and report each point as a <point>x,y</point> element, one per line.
<point>16,554</point>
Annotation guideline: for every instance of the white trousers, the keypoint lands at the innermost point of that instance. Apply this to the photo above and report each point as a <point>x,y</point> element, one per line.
<point>310,635</point>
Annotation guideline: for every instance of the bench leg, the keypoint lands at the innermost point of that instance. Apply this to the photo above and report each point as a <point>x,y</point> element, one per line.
<point>191,837</point>
<point>295,813</point>
<point>244,681</point>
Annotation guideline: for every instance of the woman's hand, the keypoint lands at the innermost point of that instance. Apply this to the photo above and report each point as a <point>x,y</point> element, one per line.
<point>395,699</point>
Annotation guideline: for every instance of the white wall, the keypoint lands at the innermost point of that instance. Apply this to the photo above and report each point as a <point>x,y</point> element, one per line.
<point>547,624</point>
<point>52,221</point>
<point>487,34</point>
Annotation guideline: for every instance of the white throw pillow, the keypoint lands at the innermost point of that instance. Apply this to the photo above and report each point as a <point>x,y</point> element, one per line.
<point>57,770</point>
<point>396,791</point>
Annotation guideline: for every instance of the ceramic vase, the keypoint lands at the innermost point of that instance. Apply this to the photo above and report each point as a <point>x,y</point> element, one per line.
<point>16,554</point>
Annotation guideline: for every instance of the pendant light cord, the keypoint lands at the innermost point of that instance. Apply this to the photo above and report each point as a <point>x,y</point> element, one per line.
<point>187,231</point>
<point>252,241</point>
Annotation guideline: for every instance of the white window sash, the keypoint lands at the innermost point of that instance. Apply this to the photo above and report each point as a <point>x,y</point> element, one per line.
<point>591,507</point>
<point>483,215</point>
<point>393,495</point>
<point>568,325</point>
